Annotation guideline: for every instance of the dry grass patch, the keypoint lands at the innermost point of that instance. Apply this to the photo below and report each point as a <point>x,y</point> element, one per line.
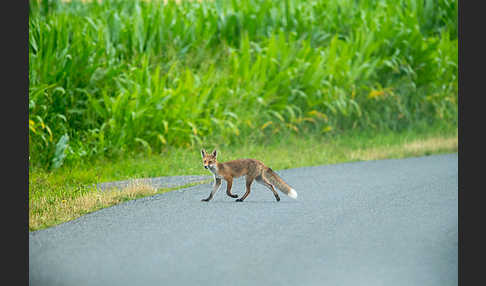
<point>415,148</point>
<point>432,144</point>
<point>44,212</point>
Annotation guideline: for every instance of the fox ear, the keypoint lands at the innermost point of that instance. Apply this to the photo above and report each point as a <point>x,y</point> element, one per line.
<point>214,153</point>
<point>203,153</point>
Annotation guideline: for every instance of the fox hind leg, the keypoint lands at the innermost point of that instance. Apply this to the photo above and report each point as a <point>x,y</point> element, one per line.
<point>267,184</point>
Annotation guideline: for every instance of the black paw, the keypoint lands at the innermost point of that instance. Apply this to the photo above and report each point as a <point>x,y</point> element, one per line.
<point>205,200</point>
<point>234,196</point>
<point>238,200</point>
<point>278,199</point>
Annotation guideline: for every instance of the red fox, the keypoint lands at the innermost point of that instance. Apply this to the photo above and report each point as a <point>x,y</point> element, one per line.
<point>251,168</point>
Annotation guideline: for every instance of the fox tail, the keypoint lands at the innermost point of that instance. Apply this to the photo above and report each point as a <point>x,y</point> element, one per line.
<point>275,180</point>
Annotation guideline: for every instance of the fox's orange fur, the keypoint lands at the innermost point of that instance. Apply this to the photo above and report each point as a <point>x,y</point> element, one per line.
<point>250,168</point>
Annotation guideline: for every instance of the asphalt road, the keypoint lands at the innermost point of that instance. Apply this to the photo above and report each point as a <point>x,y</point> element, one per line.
<point>388,222</point>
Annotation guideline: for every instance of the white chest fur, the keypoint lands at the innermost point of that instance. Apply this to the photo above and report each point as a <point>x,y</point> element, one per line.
<point>214,170</point>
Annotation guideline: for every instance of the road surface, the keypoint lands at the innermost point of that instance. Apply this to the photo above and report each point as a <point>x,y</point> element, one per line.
<point>387,222</point>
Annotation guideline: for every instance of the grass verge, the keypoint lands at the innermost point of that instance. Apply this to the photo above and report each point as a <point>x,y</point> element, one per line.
<point>67,193</point>
<point>45,212</point>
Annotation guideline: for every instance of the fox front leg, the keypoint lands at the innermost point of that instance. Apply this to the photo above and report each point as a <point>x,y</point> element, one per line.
<point>217,184</point>
<point>229,183</point>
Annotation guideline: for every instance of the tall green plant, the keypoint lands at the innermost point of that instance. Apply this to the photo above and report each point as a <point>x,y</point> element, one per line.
<point>138,76</point>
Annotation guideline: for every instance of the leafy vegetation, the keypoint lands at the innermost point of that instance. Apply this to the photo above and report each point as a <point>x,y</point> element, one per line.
<point>115,77</point>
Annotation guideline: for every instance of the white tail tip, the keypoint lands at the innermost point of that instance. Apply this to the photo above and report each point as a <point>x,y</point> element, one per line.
<point>292,194</point>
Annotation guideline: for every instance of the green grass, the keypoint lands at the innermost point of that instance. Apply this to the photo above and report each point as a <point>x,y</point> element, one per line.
<point>117,77</point>
<point>54,196</point>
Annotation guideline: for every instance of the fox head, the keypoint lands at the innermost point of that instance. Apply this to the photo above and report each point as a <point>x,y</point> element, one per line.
<point>209,160</point>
